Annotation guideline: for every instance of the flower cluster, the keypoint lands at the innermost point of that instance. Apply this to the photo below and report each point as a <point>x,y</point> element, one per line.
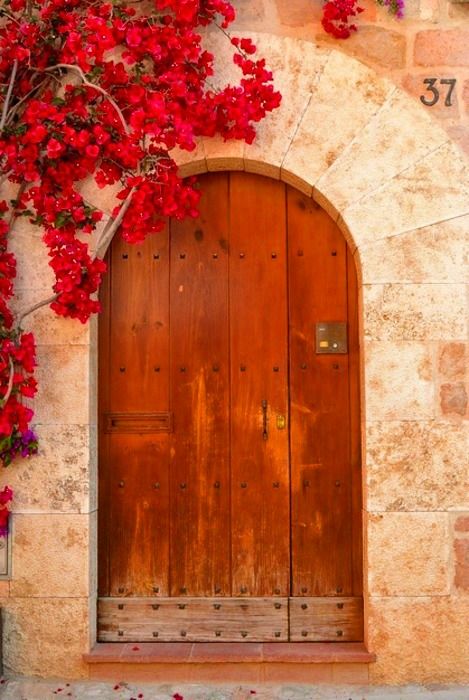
<point>336,17</point>
<point>395,7</point>
<point>337,13</point>
<point>17,362</point>
<point>103,90</point>
<point>5,497</point>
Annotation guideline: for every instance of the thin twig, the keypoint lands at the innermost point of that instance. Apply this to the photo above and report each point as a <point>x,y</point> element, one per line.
<point>20,191</point>
<point>35,307</point>
<point>10,17</point>
<point>5,177</point>
<point>4,400</point>
<point>8,95</point>
<point>69,66</point>
<point>15,107</point>
<point>228,35</point>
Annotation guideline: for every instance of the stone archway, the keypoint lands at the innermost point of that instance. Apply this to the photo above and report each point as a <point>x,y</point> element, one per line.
<point>399,190</point>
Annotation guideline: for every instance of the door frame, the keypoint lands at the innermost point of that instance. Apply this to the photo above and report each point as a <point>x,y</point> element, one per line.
<point>354,388</point>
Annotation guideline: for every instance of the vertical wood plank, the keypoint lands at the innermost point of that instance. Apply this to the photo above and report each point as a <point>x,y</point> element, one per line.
<point>259,371</point>
<point>199,472</point>
<point>138,378</point>
<point>319,400</point>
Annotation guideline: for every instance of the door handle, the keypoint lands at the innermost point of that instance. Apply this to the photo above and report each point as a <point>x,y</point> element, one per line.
<point>265,433</point>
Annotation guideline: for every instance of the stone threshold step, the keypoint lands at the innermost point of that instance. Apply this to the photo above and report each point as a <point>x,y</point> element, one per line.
<point>229,653</point>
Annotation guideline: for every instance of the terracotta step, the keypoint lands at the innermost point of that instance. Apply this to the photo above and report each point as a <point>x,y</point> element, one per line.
<point>231,662</point>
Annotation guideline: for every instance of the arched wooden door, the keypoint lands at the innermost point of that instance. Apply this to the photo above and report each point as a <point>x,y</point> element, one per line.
<point>230,493</point>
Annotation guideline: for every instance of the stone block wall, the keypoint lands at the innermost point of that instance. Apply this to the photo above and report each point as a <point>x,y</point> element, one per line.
<point>430,42</point>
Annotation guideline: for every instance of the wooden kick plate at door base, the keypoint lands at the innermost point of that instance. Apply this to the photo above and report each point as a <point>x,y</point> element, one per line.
<point>326,619</point>
<point>193,619</point>
<point>138,422</point>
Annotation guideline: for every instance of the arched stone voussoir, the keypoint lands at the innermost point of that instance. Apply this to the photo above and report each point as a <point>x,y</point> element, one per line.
<point>432,190</point>
<point>399,134</point>
<point>297,67</point>
<point>436,254</point>
<point>346,97</point>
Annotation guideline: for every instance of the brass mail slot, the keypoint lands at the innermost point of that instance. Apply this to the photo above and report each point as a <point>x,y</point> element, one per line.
<point>331,338</point>
<point>138,422</point>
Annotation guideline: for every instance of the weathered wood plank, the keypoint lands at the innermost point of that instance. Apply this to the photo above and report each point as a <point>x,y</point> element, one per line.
<point>134,378</point>
<point>193,619</point>
<point>199,467</point>
<point>326,619</point>
<point>259,381</point>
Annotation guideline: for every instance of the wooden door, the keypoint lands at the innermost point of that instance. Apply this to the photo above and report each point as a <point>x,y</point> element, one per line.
<point>229,443</point>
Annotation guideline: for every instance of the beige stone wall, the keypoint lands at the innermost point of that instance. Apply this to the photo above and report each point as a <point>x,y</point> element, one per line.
<point>430,42</point>
<point>399,189</point>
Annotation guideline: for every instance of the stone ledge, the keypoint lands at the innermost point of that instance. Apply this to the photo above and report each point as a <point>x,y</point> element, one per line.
<point>213,653</point>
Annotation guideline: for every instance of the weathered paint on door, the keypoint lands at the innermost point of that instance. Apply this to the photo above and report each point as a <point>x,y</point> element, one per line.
<point>229,448</point>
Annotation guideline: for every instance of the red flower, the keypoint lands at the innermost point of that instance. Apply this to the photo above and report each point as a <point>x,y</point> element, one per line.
<point>54,148</point>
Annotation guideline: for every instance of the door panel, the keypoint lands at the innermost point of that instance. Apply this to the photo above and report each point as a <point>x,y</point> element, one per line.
<point>230,477</point>
<point>319,399</point>
<point>259,366</point>
<point>199,465</point>
<point>135,511</point>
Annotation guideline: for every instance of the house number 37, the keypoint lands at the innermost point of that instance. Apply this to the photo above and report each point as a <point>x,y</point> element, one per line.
<point>434,96</point>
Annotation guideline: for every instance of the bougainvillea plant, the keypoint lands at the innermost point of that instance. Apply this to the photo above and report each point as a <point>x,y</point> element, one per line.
<point>337,14</point>
<point>102,90</point>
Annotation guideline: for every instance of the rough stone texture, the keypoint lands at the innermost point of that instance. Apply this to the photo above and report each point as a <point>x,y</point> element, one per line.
<point>383,47</point>
<point>58,478</point>
<point>63,570</point>
<point>398,381</point>
<point>104,198</point>
<point>462,523</point>
<point>417,465</point>
<point>419,196</point>
<point>453,360</point>
<point>411,565</point>
<point>297,72</point>
<point>437,47</point>
<point>48,327</point>
<point>415,311</point>
<point>59,367</point>
<point>90,690</point>
<point>461,564</point>
<point>419,637</point>
<point>45,636</point>
<point>453,399</point>
<point>38,276</point>
<point>460,135</point>
<point>383,148</point>
<point>348,84</point>
<point>297,12</point>
<point>436,253</point>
